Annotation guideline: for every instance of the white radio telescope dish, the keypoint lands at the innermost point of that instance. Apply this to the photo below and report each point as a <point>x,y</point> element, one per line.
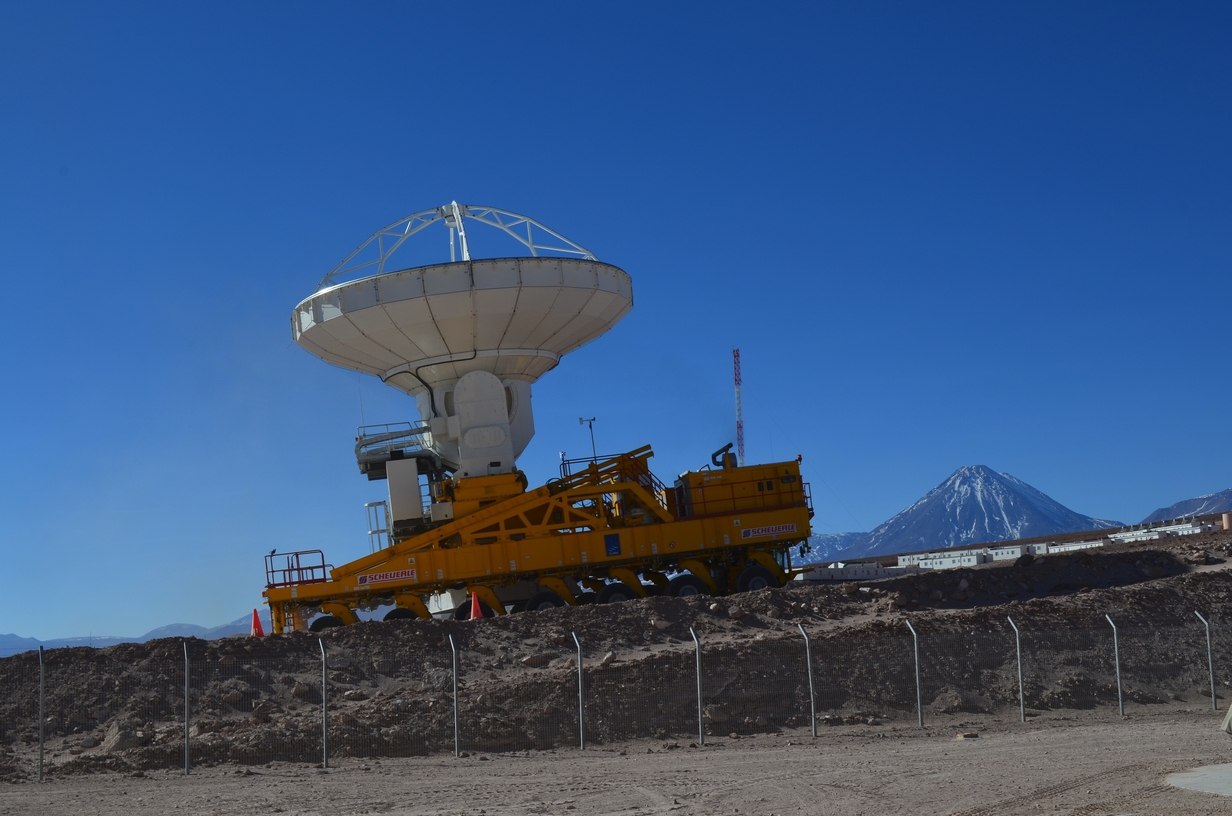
<point>422,329</point>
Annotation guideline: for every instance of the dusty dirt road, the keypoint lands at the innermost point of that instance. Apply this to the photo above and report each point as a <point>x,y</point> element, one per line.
<point>1092,763</point>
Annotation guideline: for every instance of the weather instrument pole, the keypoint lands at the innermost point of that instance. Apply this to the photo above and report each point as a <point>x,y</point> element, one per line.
<point>739,408</point>
<point>591,422</point>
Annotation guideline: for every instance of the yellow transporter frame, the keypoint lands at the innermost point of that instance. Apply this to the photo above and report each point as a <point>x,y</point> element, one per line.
<point>613,519</point>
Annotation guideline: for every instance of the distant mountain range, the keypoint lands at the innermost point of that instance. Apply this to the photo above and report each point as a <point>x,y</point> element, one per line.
<point>12,644</point>
<point>824,548</point>
<point>975,505</point>
<point>1211,503</point>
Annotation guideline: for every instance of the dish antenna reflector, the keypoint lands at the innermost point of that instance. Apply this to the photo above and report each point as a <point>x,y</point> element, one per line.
<point>502,323</point>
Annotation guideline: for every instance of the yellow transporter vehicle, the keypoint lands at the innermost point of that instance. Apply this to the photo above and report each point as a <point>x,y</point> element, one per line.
<point>467,340</point>
<point>592,536</point>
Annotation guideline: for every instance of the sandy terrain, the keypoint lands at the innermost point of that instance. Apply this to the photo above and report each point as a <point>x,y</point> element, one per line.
<point>1057,763</point>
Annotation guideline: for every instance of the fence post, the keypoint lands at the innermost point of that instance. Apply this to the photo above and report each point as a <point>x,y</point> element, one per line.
<point>701,727</point>
<point>1022,706</point>
<point>457,744</point>
<point>1210,660</point>
<point>187,755</point>
<point>808,662</point>
<point>919,698</point>
<point>42,714</point>
<point>324,705</point>
<point>1116,655</point>
<point>581,698</point>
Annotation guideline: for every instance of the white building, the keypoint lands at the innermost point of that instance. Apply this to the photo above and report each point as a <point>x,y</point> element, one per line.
<point>858,571</point>
<point>1074,545</point>
<point>952,561</point>
<point>1157,531</point>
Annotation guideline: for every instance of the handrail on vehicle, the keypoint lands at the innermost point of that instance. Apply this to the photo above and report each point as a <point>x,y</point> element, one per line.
<point>294,570</point>
<point>625,467</point>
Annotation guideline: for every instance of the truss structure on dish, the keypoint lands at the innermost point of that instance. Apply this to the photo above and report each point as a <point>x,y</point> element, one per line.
<point>372,256</point>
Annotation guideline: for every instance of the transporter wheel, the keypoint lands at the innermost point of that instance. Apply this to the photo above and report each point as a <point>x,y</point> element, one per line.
<point>463,612</point>
<point>398,613</point>
<point>615,593</point>
<point>754,578</point>
<point>687,584</point>
<point>544,599</point>
<point>585,597</point>
<point>324,622</point>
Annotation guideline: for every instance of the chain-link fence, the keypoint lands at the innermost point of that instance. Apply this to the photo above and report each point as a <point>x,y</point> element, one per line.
<point>124,708</point>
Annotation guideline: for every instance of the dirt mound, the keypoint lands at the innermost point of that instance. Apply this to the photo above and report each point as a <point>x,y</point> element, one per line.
<point>390,684</point>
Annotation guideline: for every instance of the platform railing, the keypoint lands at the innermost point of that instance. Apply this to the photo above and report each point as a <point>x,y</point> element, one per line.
<point>612,469</point>
<point>303,567</point>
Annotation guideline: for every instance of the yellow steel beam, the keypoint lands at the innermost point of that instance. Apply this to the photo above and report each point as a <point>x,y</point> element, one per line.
<point>699,570</point>
<point>767,561</point>
<point>340,611</point>
<point>278,618</point>
<point>558,586</point>
<point>565,555</point>
<point>486,595</point>
<point>628,578</point>
<point>406,600</point>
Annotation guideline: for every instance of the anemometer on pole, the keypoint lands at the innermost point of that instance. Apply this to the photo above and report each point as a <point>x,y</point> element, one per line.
<point>591,422</point>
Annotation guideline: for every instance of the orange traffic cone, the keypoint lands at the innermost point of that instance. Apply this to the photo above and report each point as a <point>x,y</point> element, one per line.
<point>476,612</point>
<point>257,631</point>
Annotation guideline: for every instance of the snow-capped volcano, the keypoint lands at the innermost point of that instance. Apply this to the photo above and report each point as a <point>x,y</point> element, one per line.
<point>975,505</point>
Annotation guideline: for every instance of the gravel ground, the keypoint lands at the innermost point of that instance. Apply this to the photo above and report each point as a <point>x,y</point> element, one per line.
<point>1074,754</point>
<point>1056,763</point>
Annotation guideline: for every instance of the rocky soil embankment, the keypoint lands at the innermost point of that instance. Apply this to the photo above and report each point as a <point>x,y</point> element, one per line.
<point>390,684</point>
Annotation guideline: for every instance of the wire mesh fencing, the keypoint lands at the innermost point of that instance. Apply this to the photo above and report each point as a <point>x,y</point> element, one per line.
<point>254,711</point>
<point>642,696</point>
<point>857,680</point>
<point>127,707</point>
<point>754,687</point>
<point>19,717</point>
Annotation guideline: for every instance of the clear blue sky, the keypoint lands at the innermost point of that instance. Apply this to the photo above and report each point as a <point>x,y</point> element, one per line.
<point>941,234</point>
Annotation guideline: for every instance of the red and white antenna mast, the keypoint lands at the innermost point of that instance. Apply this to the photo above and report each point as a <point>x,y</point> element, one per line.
<point>739,409</point>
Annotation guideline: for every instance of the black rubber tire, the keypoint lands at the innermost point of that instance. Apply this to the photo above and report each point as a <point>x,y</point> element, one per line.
<point>686,585</point>
<point>516,607</point>
<point>616,593</point>
<point>463,612</point>
<point>324,622</point>
<point>398,613</point>
<point>755,577</point>
<point>544,599</point>
<point>586,597</point>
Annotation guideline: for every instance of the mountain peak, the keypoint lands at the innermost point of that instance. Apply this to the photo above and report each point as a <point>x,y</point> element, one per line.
<point>1220,502</point>
<point>974,505</point>
<point>972,471</point>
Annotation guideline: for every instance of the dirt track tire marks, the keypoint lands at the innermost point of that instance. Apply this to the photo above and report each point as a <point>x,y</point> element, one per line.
<point>1050,791</point>
<point>1121,802</point>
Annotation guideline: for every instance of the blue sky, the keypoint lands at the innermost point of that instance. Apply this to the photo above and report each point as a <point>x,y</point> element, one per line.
<point>941,234</point>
